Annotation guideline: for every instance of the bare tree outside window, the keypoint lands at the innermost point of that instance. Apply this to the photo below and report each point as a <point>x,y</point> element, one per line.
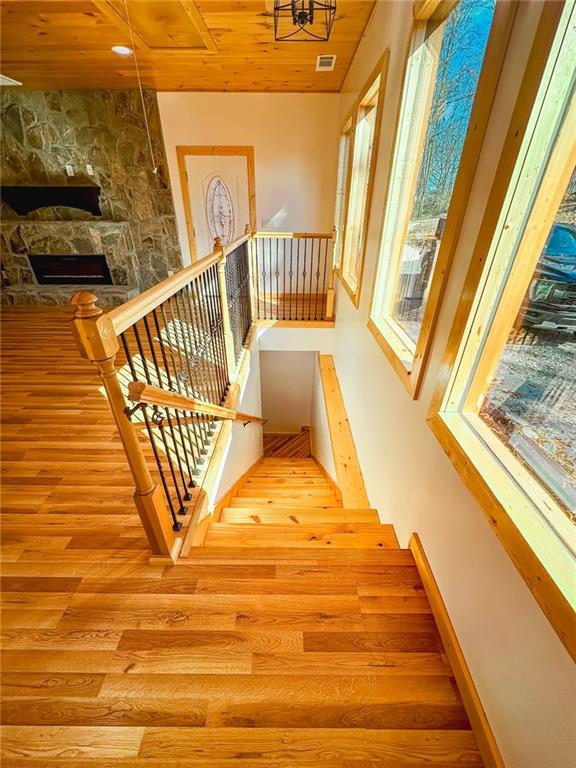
<point>464,40</point>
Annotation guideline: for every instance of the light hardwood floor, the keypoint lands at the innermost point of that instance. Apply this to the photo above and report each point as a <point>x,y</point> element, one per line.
<point>294,651</point>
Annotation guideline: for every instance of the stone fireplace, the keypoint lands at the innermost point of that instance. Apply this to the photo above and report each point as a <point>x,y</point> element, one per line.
<point>26,242</point>
<point>101,135</point>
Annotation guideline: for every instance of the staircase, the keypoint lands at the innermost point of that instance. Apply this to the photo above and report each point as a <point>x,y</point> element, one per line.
<point>335,656</point>
<point>291,503</point>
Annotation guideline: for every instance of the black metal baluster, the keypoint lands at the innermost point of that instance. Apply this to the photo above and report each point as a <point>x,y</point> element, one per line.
<point>319,256</point>
<point>323,302</point>
<point>222,381</point>
<point>311,278</point>
<point>291,273</point>
<point>187,379</point>
<point>174,385</point>
<point>297,277</point>
<point>246,290</point>
<point>193,325</point>
<point>304,273</point>
<point>176,524</point>
<point>158,419</point>
<point>263,254</point>
<point>277,287</point>
<point>174,433</point>
<point>216,338</point>
<point>190,365</point>
<point>204,307</point>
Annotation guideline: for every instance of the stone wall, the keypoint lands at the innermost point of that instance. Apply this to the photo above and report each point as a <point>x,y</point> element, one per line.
<point>44,131</point>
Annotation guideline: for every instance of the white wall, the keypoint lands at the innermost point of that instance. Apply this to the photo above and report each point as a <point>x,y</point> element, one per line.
<point>321,441</point>
<point>295,140</point>
<point>524,676</point>
<point>245,445</point>
<point>286,380</point>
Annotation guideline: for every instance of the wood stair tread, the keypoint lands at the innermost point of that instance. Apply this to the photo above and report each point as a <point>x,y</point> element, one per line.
<point>268,501</point>
<point>296,515</point>
<point>311,535</point>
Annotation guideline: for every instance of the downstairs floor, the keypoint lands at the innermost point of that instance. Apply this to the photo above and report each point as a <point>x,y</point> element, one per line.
<point>300,635</point>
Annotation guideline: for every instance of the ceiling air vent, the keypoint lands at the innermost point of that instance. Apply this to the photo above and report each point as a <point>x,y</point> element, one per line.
<point>325,63</point>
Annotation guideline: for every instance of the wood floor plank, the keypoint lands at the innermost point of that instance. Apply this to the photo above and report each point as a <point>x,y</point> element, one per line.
<point>320,714</point>
<point>105,712</point>
<point>41,684</point>
<point>354,663</point>
<point>278,689</point>
<point>55,742</point>
<point>316,746</point>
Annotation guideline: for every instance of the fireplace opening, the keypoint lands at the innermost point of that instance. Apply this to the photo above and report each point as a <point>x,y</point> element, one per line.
<point>71,269</point>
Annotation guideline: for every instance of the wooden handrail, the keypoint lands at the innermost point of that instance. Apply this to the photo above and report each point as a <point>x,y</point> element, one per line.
<point>138,392</point>
<point>297,235</point>
<point>235,243</point>
<point>128,314</point>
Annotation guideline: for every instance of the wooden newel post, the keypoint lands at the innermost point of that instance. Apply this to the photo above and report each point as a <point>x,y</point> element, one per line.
<point>226,327</point>
<point>330,292</point>
<point>98,342</point>
<point>251,244</point>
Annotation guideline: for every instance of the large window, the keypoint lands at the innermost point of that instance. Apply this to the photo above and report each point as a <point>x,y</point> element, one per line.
<point>434,161</point>
<point>343,186</point>
<point>364,151</point>
<point>507,414</point>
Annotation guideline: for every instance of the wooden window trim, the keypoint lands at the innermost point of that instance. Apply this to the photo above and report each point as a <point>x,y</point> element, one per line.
<point>509,494</point>
<point>381,71</point>
<point>408,358</point>
<point>433,10</point>
<point>184,151</point>
<point>348,126</point>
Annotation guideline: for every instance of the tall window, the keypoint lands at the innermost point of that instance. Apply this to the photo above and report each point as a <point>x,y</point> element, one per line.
<point>442,79</point>
<point>365,147</point>
<point>343,187</point>
<point>507,415</point>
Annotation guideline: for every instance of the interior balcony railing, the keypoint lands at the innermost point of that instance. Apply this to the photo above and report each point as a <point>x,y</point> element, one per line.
<point>293,276</point>
<point>167,359</point>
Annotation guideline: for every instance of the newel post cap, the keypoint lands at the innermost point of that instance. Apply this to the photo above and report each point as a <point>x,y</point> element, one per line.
<point>86,304</point>
<point>218,242</point>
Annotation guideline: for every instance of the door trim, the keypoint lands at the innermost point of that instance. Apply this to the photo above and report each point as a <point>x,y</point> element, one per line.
<point>183,152</point>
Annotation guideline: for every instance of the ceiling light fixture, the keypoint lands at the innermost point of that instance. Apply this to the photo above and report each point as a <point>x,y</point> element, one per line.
<point>303,20</point>
<point>122,50</point>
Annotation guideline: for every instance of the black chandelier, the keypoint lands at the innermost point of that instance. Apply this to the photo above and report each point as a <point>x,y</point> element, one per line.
<point>303,20</point>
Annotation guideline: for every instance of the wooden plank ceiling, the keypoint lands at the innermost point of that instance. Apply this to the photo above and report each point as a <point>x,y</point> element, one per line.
<point>207,45</point>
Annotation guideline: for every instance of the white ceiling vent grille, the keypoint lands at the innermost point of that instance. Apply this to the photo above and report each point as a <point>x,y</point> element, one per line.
<point>325,63</point>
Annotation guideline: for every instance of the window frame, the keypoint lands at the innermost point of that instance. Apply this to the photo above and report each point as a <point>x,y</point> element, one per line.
<point>518,507</point>
<point>379,72</point>
<point>347,130</point>
<point>409,358</point>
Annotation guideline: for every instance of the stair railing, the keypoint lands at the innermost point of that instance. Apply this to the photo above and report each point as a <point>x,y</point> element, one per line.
<point>184,337</point>
<point>176,336</point>
<point>293,276</point>
<point>138,392</point>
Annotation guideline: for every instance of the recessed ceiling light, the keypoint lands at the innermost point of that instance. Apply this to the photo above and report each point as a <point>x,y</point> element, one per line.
<point>5,80</point>
<point>122,50</point>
